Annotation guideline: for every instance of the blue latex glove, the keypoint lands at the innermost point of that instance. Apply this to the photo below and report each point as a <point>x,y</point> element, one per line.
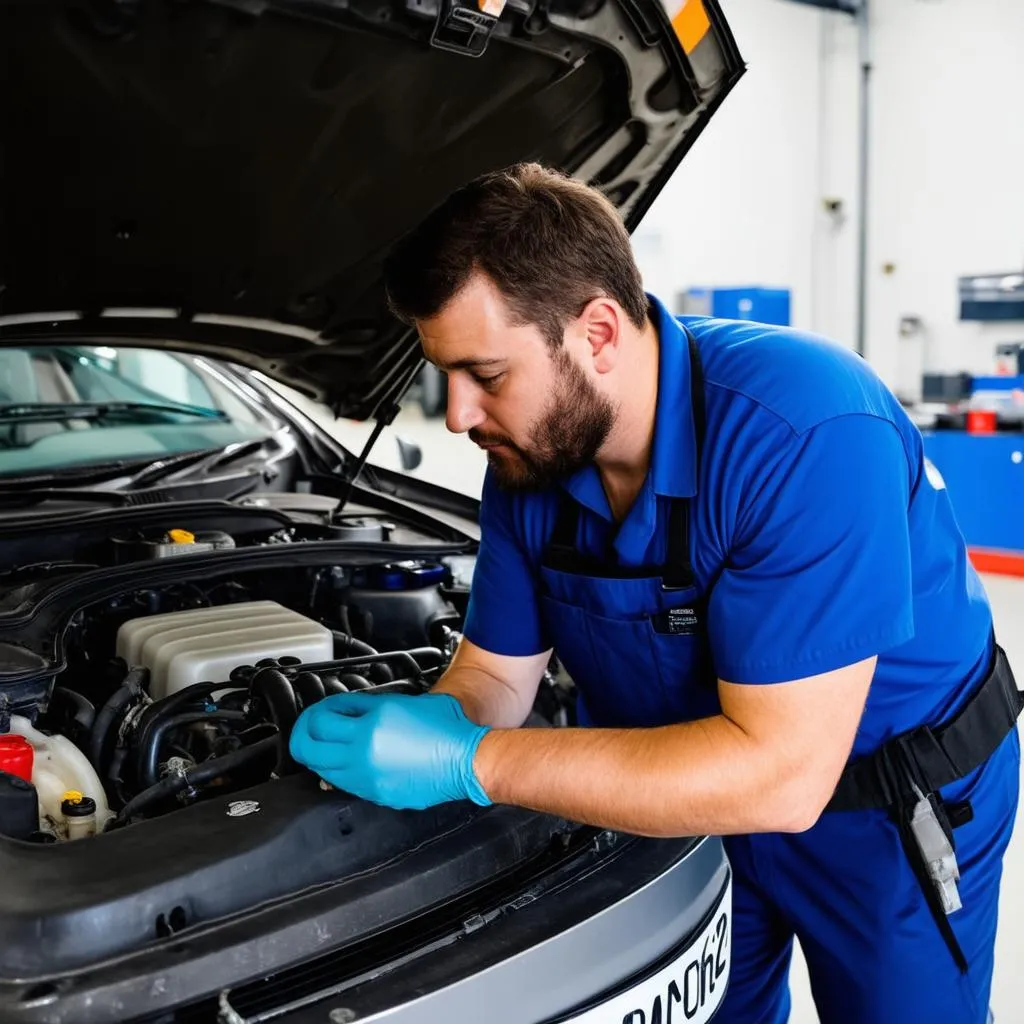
<point>395,749</point>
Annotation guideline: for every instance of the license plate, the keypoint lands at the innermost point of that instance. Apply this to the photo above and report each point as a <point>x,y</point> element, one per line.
<point>689,989</point>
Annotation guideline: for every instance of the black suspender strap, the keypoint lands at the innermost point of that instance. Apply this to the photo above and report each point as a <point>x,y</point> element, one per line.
<point>697,399</point>
<point>677,573</point>
<point>566,525</point>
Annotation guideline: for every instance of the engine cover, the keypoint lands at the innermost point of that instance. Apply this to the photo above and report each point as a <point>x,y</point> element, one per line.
<point>181,648</point>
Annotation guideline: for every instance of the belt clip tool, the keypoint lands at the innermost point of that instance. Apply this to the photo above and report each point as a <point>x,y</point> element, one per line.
<point>937,851</point>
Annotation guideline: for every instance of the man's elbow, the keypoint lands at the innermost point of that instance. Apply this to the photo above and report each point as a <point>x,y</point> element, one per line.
<point>800,804</point>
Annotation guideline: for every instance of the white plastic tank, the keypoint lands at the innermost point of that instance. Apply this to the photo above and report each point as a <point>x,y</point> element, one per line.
<point>60,768</point>
<point>206,644</point>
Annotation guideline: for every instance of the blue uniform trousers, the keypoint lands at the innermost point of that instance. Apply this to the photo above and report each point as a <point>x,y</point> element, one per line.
<point>846,890</point>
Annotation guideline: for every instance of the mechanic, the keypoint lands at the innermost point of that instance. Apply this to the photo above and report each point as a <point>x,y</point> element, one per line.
<point>730,537</point>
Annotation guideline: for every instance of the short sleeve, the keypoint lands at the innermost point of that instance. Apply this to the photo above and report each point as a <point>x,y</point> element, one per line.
<point>504,614</point>
<point>819,571</point>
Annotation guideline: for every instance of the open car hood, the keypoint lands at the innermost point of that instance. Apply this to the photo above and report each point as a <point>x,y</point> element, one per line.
<point>225,177</point>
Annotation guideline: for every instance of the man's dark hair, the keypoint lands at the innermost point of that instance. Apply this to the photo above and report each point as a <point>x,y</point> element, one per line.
<point>548,242</point>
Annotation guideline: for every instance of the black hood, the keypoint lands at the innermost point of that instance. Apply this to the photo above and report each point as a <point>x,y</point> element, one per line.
<point>226,177</point>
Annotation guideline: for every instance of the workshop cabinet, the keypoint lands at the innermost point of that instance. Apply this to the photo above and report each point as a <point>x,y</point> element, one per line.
<point>984,475</point>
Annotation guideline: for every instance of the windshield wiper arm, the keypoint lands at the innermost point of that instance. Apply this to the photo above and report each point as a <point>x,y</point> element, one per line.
<point>50,412</point>
<point>197,462</point>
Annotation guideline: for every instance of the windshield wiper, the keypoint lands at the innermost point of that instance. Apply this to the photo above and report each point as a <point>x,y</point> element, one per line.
<point>50,412</point>
<point>198,463</point>
<point>37,490</point>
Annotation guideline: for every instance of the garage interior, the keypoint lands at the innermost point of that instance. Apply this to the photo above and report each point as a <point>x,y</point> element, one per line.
<point>860,182</point>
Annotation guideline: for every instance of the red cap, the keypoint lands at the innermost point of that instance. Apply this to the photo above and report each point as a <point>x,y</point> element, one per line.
<point>16,755</point>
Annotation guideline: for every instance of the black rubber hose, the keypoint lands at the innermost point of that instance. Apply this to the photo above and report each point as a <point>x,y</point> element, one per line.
<point>131,689</point>
<point>272,687</point>
<point>426,657</point>
<point>164,708</point>
<point>195,777</point>
<point>85,712</point>
<point>309,688</point>
<point>346,645</point>
<point>149,756</point>
<point>233,701</point>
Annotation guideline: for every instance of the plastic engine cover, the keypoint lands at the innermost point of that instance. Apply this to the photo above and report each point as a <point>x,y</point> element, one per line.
<point>206,644</point>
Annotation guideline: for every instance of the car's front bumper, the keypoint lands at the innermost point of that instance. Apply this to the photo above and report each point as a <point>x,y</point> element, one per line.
<point>579,951</point>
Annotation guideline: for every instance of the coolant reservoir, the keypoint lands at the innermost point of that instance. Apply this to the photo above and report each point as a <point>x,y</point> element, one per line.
<point>58,768</point>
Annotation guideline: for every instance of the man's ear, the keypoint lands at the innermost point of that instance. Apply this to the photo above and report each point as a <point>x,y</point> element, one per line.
<point>600,325</point>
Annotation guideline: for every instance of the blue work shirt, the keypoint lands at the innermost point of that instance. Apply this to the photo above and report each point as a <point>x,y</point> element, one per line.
<point>820,534</point>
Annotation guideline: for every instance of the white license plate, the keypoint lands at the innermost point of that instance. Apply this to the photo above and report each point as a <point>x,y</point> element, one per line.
<point>686,991</point>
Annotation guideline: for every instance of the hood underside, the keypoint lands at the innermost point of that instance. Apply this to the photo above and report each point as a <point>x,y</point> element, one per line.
<point>225,178</point>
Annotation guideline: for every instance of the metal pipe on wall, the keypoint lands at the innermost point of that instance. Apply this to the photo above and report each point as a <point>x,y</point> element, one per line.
<point>864,59</point>
<point>859,10</point>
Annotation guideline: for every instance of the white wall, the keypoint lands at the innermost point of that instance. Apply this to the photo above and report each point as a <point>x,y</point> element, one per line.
<point>740,209</point>
<point>946,175</point>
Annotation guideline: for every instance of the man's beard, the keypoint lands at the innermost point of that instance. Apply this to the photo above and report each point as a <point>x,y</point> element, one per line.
<point>567,436</point>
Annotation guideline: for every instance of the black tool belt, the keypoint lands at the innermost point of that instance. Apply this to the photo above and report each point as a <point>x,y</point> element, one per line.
<point>905,774</point>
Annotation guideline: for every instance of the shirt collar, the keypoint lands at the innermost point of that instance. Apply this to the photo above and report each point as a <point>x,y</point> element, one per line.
<point>674,452</point>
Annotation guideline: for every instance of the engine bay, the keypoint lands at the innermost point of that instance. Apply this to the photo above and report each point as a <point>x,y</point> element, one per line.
<point>174,672</point>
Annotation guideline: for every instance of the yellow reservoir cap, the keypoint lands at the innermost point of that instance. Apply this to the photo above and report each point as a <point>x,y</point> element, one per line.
<point>181,537</point>
<point>72,796</point>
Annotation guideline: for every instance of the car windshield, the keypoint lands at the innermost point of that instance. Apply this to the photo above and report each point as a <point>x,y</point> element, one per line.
<point>76,406</point>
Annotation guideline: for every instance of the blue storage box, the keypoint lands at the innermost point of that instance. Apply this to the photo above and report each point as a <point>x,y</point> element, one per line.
<point>763,305</point>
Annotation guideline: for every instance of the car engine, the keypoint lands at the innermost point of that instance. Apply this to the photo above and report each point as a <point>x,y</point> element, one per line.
<point>174,690</point>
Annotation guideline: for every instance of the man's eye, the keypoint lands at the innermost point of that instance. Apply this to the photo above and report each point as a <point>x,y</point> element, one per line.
<point>488,382</point>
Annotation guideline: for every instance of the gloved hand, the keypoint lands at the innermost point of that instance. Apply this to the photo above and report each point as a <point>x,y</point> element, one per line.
<point>395,749</point>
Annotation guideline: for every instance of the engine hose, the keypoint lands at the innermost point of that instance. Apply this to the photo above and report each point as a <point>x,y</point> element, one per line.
<point>85,712</point>
<point>164,708</point>
<point>235,700</point>
<point>346,645</point>
<point>309,688</point>
<point>272,687</point>
<point>195,777</point>
<point>427,657</point>
<point>132,688</point>
<point>149,756</point>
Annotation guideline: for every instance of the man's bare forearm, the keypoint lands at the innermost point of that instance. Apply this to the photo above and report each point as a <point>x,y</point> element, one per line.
<point>699,778</point>
<point>485,699</point>
<point>493,689</point>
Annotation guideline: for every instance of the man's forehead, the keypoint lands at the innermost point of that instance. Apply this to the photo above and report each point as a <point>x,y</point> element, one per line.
<point>463,337</point>
<point>465,363</point>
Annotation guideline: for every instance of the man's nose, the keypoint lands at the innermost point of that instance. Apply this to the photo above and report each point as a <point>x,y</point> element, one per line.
<point>464,412</point>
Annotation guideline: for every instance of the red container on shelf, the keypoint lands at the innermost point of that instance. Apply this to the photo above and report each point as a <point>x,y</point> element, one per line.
<point>981,421</point>
<point>16,756</point>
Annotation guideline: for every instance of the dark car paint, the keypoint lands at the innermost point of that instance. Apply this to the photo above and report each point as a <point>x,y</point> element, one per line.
<point>225,177</point>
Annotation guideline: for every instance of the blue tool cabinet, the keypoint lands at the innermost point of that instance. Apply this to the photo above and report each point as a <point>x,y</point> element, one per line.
<point>984,474</point>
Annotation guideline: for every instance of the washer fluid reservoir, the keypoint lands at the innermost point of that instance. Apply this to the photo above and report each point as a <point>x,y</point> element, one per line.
<point>59,768</point>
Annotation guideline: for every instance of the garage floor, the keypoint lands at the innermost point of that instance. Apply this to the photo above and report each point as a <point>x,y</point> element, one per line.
<point>454,462</point>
